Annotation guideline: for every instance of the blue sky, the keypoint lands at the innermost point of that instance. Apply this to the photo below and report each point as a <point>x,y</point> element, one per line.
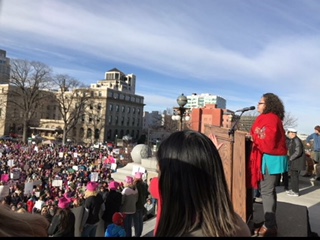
<point>237,49</point>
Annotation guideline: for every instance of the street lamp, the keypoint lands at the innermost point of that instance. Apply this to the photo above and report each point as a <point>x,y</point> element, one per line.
<point>181,113</point>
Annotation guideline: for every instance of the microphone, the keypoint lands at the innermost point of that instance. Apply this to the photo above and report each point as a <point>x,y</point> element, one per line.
<point>246,109</point>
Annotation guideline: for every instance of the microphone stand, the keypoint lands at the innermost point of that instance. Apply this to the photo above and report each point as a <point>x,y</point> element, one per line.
<point>232,130</point>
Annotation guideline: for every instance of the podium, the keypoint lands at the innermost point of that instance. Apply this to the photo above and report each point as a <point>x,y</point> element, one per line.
<point>235,155</point>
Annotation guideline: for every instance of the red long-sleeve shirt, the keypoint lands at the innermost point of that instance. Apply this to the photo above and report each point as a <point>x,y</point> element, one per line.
<point>154,191</point>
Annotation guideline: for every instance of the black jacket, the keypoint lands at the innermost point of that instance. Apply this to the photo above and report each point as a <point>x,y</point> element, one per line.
<point>296,154</point>
<point>112,205</point>
<point>142,194</point>
<point>93,204</point>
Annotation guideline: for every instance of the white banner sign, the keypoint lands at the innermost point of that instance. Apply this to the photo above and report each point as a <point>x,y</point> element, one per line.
<point>4,191</point>
<point>94,176</point>
<point>28,187</point>
<point>57,183</point>
<point>11,163</point>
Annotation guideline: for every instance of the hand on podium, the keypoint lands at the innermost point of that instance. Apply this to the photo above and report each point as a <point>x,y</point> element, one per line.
<point>249,137</point>
<point>215,141</point>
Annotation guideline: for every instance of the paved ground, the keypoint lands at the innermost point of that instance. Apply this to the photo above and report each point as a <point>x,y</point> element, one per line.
<point>309,197</point>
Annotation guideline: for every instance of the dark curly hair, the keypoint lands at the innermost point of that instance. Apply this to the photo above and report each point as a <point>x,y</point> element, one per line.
<point>273,104</point>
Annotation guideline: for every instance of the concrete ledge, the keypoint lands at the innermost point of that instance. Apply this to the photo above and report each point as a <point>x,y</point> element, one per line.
<point>150,164</point>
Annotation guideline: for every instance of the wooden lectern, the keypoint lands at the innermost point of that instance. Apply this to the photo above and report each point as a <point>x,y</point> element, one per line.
<point>235,154</point>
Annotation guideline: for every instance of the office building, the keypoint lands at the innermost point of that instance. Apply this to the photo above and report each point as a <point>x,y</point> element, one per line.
<point>201,100</point>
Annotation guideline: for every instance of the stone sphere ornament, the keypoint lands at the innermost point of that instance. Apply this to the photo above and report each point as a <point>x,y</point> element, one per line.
<point>140,151</point>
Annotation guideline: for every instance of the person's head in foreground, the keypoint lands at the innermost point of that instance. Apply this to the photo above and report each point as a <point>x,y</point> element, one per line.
<point>193,189</point>
<point>15,224</point>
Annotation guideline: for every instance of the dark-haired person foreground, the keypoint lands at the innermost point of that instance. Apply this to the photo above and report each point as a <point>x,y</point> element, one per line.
<point>15,224</point>
<point>194,196</point>
<point>268,157</point>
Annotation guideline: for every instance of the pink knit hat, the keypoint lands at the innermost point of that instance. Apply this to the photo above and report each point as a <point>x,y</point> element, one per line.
<point>129,180</point>
<point>64,202</point>
<point>138,175</point>
<point>113,185</point>
<point>92,186</point>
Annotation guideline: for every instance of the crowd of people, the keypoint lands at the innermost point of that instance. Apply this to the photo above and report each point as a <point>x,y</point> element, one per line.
<point>50,181</point>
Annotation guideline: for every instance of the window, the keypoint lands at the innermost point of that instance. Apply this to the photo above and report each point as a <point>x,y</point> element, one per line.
<point>15,112</point>
<point>74,131</point>
<point>81,133</point>
<point>96,134</point>
<point>89,133</point>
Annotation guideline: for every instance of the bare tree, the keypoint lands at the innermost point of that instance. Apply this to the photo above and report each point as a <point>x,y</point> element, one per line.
<point>71,98</point>
<point>170,125</point>
<point>289,121</point>
<point>28,79</point>
<point>247,120</point>
<point>157,122</point>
